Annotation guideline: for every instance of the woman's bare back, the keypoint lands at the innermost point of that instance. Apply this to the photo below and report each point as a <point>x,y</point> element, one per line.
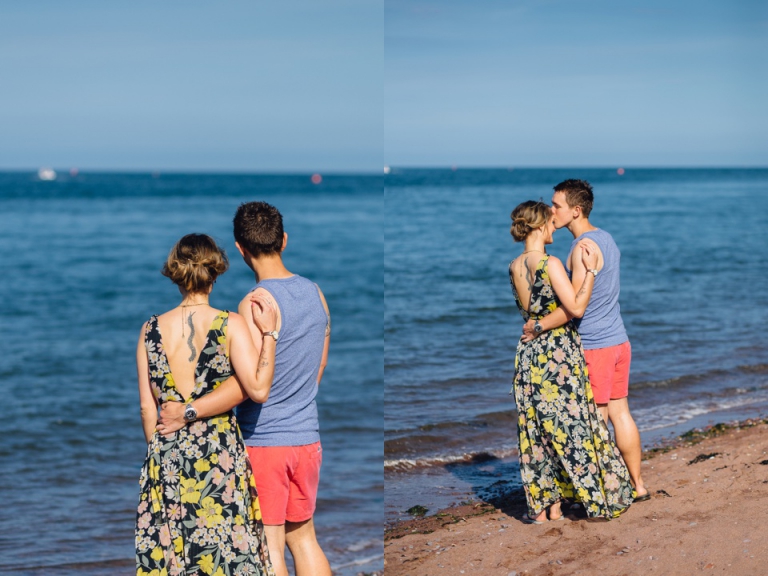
<point>184,332</point>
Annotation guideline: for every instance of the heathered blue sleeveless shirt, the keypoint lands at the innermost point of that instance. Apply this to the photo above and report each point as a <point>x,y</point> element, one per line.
<point>602,326</point>
<point>289,416</point>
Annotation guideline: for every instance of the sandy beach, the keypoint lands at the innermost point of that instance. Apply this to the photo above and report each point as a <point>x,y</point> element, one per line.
<point>707,514</point>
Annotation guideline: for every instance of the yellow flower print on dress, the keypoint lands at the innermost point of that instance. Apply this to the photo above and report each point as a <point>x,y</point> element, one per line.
<point>549,391</point>
<point>206,563</point>
<point>190,490</point>
<point>210,511</point>
<point>218,323</point>
<point>256,508</point>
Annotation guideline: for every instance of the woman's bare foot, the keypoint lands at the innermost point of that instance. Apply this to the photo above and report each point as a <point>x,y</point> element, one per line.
<point>554,511</point>
<point>538,519</point>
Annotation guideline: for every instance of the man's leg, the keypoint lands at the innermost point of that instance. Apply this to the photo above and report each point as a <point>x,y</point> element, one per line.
<point>271,466</point>
<point>276,544</point>
<point>609,373</point>
<point>308,557</point>
<point>627,440</point>
<point>624,427</point>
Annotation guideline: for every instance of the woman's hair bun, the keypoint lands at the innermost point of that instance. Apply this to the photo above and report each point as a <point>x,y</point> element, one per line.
<point>195,262</point>
<point>527,217</point>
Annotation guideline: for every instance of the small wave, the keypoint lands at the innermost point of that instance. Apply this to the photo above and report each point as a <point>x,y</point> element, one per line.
<point>359,562</point>
<point>363,544</point>
<point>408,464</point>
<point>688,379</point>
<point>665,416</point>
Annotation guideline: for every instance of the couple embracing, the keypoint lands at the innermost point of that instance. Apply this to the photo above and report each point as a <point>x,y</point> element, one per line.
<point>572,365</point>
<point>222,495</point>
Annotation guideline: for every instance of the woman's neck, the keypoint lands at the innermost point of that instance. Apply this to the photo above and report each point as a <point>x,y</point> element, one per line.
<point>534,245</point>
<point>196,299</point>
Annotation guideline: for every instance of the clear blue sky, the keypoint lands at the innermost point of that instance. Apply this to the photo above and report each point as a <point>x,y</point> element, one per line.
<point>165,84</point>
<point>564,83</point>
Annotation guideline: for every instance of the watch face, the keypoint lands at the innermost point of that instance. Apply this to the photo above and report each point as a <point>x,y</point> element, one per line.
<point>190,413</point>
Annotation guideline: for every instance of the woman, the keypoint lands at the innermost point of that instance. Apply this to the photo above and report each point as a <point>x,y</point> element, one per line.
<point>198,510</point>
<point>565,448</point>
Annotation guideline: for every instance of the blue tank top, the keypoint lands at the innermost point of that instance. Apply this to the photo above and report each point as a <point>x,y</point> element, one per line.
<point>289,416</point>
<point>602,326</point>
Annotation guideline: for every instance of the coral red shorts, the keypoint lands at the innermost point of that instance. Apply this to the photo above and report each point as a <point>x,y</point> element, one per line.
<point>286,480</point>
<point>609,372</point>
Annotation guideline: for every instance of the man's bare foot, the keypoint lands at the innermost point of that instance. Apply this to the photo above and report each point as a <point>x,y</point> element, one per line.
<point>641,490</point>
<point>642,496</point>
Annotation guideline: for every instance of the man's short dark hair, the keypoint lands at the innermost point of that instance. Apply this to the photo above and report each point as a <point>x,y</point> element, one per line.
<point>259,228</point>
<point>577,193</point>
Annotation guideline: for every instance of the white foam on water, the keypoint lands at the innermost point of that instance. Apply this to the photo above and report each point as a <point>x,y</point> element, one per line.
<point>668,415</point>
<point>359,562</point>
<point>363,544</point>
<point>404,464</point>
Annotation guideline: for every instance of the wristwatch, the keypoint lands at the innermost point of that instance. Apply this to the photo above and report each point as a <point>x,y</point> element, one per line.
<point>594,271</point>
<point>272,333</point>
<point>190,414</point>
<point>537,328</point>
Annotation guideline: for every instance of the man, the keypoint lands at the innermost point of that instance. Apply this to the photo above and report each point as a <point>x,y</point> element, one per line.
<point>281,432</point>
<point>606,346</point>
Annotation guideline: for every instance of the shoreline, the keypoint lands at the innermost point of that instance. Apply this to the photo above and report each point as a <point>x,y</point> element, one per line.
<point>699,481</point>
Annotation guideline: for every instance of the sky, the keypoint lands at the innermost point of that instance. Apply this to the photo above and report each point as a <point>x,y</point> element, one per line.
<point>247,85</point>
<point>562,83</point>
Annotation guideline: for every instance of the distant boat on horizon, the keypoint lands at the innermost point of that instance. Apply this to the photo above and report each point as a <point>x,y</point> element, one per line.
<point>46,174</point>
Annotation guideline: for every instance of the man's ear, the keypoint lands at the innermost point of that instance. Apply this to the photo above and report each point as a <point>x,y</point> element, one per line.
<point>576,212</point>
<point>285,241</point>
<point>240,249</point>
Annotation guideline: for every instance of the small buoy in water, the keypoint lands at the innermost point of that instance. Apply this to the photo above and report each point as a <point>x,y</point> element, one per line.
<point>386,169</point>
<point>620,171</point>
<point>316,178</point>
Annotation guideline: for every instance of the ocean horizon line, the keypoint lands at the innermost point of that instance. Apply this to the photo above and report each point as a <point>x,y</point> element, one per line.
<point>188,171</point>
<point>469,167</point>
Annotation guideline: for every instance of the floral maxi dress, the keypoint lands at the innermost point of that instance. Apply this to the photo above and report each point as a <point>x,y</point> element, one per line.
<point>565,448</point>
<point>198,510</point>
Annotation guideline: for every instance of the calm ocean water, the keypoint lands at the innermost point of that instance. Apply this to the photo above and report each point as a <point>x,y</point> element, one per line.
<point>694,302</point>
<point>82,258</point>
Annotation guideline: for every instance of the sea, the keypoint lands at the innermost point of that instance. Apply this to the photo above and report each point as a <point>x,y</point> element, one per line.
<point>694,271</point>
<point>82,256</point>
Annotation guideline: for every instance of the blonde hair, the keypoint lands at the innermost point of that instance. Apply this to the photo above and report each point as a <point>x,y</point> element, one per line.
<point>195,262</point>
<point>527,217</point>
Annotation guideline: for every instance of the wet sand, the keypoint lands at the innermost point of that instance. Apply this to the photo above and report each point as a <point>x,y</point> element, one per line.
<point>707,514</point>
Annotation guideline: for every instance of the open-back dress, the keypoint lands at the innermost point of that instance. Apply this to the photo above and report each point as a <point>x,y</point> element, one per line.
<point>566,450</point>
<point>198,509</point>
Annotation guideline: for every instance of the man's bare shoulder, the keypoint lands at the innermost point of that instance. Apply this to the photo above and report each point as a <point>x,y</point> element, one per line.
<point>261,292</point>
